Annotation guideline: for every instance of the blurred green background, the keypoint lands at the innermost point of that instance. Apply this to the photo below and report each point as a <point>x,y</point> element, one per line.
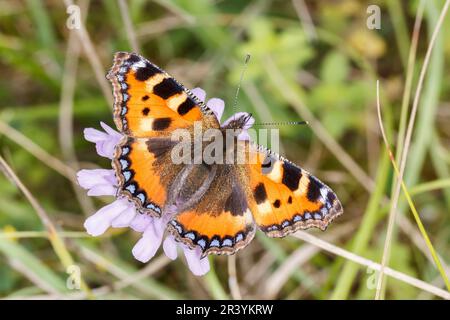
<point>311,60</point>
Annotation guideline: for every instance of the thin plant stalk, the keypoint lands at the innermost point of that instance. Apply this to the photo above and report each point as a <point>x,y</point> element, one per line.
<point>410,202</point>
<point>57,242</point>
<point>329,247</point>
<point>131,35</point>
<point>392,214</point>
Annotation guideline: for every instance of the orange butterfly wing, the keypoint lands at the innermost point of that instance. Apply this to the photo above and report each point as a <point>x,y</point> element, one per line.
<point>221,222</point>
<point>280,198</point>
<point>214,232</point>
<point>287,198</point>
<point>148,101</point>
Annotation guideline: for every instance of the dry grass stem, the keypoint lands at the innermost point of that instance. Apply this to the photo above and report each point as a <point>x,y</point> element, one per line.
<point>232,278</point>
<point>305,18</point>
<point>371,264</point>
<point>93,59</point>
<point>125,12</point>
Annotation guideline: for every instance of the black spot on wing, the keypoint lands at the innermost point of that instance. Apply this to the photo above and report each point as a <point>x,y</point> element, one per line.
<point>144,73</point>
<point>186,106</point>
<point>277,203</point>
<point>331,196</point>
<point>167,88</point>
<point>161,124</point>
<point>313,189</point>
<point>236,203</point>
<point>291,176</point>
<point>145,98</point>
<point>134,58</point>
<point>145,111</point>
<point>260,193</point>
<point>159,146</point>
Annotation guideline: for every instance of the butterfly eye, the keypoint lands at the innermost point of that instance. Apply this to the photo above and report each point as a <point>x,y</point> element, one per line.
<point>247,118</point>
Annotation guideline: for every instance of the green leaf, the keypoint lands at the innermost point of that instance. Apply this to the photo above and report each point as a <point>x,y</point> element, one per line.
<point>335,67</point>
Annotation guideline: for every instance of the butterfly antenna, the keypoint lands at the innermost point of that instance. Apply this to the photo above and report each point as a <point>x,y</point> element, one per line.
<point>247,58</point>
<point>283,123</point>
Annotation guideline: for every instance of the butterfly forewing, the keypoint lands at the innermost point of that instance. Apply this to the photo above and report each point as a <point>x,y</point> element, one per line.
<point>148,101</point>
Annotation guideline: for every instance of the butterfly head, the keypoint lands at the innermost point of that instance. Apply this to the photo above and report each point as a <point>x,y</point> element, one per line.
<point>239,121</point>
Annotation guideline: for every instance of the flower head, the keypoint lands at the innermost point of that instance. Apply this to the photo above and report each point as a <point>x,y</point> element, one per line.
<point>122,212</point>
<point>105,142</point>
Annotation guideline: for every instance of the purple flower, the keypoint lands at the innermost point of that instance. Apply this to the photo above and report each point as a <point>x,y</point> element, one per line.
<point>105,142</point>
<point>215,104</point>
<point>99,182</point>
<point>112,214</point>
<point>122,213</point>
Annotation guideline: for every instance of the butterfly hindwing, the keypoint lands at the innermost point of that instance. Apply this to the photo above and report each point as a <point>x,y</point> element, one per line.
<point>221,222</point>
<point>287,198</point>
<point>148,101</point>
<point>214,232</point>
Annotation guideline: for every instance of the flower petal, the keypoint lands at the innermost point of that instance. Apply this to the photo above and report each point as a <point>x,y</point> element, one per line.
<point>199,93</point>
<point>140,222</point>
<point>125,218</point>
<point>217,106</point>
<point>146,247</point>
<point>88,178</point>
<point>170,247</point>
<point>102,190</point>
<point>99,222</point>
<point>99,182</point>
<point>110,131</point>
<point>105,142</point>
<point>94,135</point>
<point>199,266</point>
<point>105,148</point>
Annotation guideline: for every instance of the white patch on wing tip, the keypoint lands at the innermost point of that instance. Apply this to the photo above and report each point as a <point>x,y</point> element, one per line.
<point>324,192</point>
<point>138,65</point>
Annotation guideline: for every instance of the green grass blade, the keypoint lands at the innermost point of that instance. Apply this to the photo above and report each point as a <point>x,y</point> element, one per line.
<point>35,267</point>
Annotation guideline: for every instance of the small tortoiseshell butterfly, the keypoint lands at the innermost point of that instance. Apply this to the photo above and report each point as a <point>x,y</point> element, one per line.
<point>218,206</point>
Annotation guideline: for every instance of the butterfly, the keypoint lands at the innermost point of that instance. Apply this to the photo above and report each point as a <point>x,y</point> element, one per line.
<point>218,206</point>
